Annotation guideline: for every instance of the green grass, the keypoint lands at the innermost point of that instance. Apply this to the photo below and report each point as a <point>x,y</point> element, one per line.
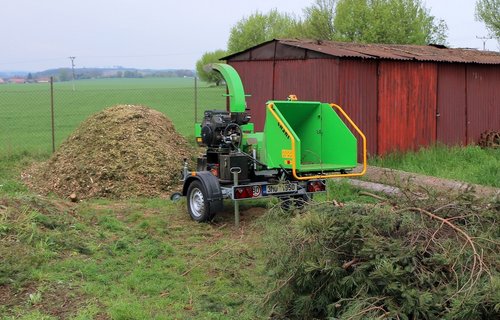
<point>140,259</point>
<point>137,259</point>
<point>25,116</point>
<point>134,259</point>
<point>11,167</point>
<point>469,164</point>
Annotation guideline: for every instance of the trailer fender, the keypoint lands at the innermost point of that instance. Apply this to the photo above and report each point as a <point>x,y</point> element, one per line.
<point>211,185</point>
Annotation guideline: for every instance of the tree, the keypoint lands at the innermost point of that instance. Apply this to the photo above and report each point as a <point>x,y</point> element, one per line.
<point>488,11</point>
<point>318,20</point>
<point>373,21</point>
<point>132,74</point>
<point>259,27</point>
<point>207,58</point>
<point>64,75</point>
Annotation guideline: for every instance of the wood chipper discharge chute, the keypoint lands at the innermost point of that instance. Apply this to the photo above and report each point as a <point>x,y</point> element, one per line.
<point>303,144</point>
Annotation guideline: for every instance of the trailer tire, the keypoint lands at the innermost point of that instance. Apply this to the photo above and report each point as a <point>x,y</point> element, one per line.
<point>302,200</point>
<point>198,205</point>
<point>295,202</point>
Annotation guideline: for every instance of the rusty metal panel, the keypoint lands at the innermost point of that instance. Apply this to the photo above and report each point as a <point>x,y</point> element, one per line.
<point>337,49</point>
<point>451,104</point>
<point>257,78</point>
<point>314,80</point>
<point>284,52</point>
<point>358,97</point>
<point>374,51</point>
<point>483,100</point>
<point>396,51</point>
<point>406,105</point>
<point>264,52</point>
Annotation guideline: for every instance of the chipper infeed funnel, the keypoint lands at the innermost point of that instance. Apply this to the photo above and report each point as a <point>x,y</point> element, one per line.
<point>307,137</point>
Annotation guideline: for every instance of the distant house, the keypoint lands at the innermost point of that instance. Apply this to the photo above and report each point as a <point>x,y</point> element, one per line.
<point>42,80</point>
<point>2,81</point>
<point>17,80</point>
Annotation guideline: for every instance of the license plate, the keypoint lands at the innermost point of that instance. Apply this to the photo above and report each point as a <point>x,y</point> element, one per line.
<point>280,188</point>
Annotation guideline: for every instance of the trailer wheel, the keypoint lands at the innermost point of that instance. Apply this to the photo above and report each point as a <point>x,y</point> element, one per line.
<point>197,204</point>
<point>295,202</point>
<point>302,200</point>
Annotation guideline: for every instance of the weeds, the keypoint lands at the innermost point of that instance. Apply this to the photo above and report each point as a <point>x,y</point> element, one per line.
<point>469,164</point>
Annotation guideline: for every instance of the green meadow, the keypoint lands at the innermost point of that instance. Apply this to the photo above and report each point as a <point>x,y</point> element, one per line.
<point>25,109</point>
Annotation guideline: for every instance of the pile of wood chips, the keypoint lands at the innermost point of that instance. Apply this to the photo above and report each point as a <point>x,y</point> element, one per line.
<point>121,152</point>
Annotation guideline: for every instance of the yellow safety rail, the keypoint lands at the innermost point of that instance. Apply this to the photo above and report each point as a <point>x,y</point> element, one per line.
<point>270,106</point>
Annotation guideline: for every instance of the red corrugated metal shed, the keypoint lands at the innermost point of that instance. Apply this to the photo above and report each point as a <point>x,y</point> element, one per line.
<point>407,105</point>
<point>402,96</point>
<point>322,73</point>
<point>370,51</point>
<point>451,104</point>
<point>357,85</point>
<point>483,100</point>
<point>258,80</point>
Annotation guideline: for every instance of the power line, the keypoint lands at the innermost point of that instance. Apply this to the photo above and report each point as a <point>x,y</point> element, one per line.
<point>484,41</point>
<point>73,70</point>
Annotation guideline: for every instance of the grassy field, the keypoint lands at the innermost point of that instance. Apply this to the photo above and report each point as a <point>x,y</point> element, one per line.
<point>145,258</point>
<point>469,164</point>
<point>132,259</point>
<point>139,259</point>
<point>25,118</point>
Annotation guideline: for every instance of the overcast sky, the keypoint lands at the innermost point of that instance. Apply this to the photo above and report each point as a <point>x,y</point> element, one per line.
<point>161,34</point>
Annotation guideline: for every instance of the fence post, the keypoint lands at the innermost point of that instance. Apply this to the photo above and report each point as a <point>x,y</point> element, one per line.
<point>195,99</point>
<point>52,113</point>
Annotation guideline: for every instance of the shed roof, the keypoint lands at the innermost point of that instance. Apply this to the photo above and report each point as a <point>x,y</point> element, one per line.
<point>384,51</point>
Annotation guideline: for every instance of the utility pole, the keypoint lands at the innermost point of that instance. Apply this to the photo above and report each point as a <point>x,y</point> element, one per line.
<point>484,41</point>
<point>73,70</point>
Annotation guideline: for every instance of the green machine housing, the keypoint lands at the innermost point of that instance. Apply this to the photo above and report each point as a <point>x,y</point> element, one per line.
<point>305,139</point>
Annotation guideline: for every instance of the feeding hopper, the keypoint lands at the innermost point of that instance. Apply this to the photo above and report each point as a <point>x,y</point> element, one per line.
<point>307,137</point>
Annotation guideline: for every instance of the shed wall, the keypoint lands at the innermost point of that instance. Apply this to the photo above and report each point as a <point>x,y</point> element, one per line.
<point>358,97</point>
<point>406,105</point>
<point>257,78</point>
<point>312,79</point>
<point>451,104</point>
<point>483,100</point>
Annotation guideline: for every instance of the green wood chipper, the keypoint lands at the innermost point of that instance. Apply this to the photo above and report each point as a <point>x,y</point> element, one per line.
<point>303,144</point>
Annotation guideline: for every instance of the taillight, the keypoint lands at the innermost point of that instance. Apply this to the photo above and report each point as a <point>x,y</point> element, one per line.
<point>243,192</point>
<point>316,186</point>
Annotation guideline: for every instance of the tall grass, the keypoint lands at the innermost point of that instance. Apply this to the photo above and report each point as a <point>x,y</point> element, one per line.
<point>469,164</point>
<point>11,166</point>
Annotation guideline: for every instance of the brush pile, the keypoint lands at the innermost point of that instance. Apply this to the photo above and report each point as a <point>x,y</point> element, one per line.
<point>489,139</point>
<point>409,258</point>
<point>120,152</point>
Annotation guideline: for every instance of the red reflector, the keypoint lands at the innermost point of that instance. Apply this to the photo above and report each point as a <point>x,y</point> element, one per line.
<point>243,192</point>
<point>316,186</point>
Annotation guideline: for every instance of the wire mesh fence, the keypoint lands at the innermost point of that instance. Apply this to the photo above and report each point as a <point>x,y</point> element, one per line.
<point>25,109</point>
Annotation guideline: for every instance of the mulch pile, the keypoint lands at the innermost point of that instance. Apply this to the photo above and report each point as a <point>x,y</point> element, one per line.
<point>123,151</point>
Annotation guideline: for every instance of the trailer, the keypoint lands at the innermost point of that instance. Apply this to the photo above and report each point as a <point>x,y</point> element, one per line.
<point>303,144</point>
